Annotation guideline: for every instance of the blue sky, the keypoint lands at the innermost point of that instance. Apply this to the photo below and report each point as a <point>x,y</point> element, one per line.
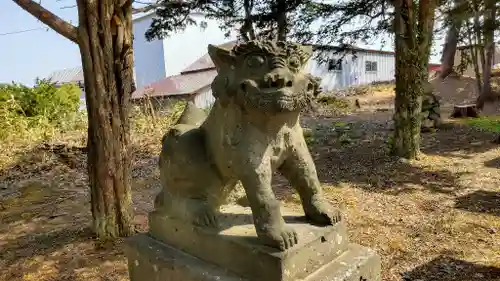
<point>25,56</point>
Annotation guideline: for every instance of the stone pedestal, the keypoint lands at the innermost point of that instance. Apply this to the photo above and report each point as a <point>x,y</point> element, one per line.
<point>174,250</point>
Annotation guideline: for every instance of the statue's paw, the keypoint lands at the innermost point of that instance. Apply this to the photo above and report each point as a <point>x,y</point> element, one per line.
<point>283,238</point>
<point>206,218</point>
<point>322,213</point>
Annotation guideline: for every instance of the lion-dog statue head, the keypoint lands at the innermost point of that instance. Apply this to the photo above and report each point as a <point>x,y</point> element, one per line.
<point>264,76</point>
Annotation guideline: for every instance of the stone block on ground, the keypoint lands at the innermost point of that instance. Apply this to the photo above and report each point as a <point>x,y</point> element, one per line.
<point>174,248</point>
<point>235,245</point>
<point>152,260</point>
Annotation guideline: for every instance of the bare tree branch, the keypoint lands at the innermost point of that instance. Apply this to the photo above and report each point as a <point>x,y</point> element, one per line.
<point>68,7</point>
<point>149,7</point>
<point>144,9</point>
<point>51,20</point>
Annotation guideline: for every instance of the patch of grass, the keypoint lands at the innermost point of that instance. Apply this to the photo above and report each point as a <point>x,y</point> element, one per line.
<point>345,139</point>
<point>486,123</point>
<point>309,136</point>
<point>340,124</point>
<point>382,86</point>
<point>334,102</point>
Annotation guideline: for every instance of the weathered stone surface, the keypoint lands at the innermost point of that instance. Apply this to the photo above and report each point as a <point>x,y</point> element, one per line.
<point>356,264</point>
<point>431,110</point>
<point>151,260</point>
<point>252,130</point>
<point>237,248</point>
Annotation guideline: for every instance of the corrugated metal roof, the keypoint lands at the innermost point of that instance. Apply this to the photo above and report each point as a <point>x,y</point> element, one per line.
<point>67,75</point>
<point>182,84</point>
<point>205,62</point>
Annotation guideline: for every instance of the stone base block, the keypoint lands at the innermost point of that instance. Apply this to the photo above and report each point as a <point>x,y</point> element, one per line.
<point>235,245</point>
<point>152,260</point>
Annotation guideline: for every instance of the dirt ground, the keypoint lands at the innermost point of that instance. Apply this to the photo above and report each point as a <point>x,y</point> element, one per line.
<point>437,218</point>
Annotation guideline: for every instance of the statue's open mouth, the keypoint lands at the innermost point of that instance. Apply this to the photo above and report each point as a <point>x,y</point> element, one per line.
<point>281,93</point>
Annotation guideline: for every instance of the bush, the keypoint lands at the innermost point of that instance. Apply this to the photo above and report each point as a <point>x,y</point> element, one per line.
<point>44,99</point>
<point>43,108</point>
<point>333,102</point>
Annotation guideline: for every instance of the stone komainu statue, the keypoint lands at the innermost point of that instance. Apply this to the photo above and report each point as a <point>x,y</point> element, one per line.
<point>431,109</point>
<point>252,130</point>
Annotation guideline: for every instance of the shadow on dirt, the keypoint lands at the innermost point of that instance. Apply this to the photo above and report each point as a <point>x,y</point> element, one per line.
<point>445,268</point>
<point>487,202</point>
<point>357,152</point>
<point>62,254</point>
<point>457,140</point>
<point>45,214</point>
<point>493,163</point>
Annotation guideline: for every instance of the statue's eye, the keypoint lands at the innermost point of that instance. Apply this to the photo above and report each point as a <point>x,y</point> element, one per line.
<point>294,62</point>
<point>255,61</point>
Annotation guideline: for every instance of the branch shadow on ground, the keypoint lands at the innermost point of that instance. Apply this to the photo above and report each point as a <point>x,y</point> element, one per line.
<point>445,268</point>
<point>493,163</point>
<point>45,214</point>
<point>365,162</point>
<point>42,178</point>
<point>480,201</point>
<point>61,254</point>
<point>457,140</point>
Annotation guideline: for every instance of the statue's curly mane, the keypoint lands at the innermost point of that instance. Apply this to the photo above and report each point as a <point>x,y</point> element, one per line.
<point>222,85</point>
<point>279,48</point>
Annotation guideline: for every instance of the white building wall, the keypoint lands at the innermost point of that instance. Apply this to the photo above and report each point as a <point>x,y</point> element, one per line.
<point>149,65</point>
<point>353,73</point>
<point>183,48</point>
<point>353,70</point>
<point>204,98</point>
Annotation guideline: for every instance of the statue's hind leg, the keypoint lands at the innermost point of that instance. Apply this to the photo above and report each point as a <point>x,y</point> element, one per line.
<point>188,178</point>
<point>197,211</point>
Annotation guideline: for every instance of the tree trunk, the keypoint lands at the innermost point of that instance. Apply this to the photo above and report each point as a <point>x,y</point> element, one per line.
<point>473,53</point>
<point>478,32</point>
<point>412,40</point>
<point>281,20</point>
<point>489,43</point>
<point>104,36</point>
<point>247,31</point>
<point>450,48</point>
<point>105,40</point>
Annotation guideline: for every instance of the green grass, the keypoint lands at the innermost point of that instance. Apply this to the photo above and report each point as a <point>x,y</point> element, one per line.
<point>488,124</point>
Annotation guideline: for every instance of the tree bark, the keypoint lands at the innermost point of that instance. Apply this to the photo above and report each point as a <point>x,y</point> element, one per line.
<point>478,32</point>
<point>412,39</point>
<point>281,8</point>
<point>104,36</point>
<point>473,53</point>
<point>105,39</point>
<point>450,47</point>
<point>51,20</point>
<point>247,31</point>
<point>489,46</point>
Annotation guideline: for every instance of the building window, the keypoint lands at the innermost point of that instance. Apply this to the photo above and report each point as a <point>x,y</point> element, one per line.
<point>371,66</point>
<point>335,65</point>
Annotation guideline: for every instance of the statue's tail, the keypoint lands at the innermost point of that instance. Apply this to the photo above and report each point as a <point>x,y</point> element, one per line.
<point>192,115</point>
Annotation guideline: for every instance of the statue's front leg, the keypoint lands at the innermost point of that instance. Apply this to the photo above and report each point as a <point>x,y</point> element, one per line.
<point>300,171</point>
<point>269,223</point>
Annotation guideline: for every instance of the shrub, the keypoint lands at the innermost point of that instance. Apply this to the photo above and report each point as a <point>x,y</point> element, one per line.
<point>333,102</point>
<point>44,99</point>
<point>44,108</point>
